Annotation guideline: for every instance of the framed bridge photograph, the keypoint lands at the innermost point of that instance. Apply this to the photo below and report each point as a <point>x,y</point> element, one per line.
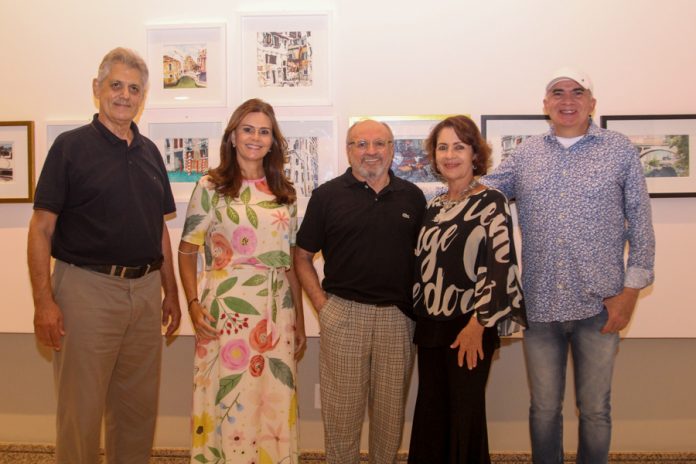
<point>187,66</point>
<point>667,147</point>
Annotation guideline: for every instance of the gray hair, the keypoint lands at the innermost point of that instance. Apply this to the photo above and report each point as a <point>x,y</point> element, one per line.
<point>350,129</point>
<point>124,56</point>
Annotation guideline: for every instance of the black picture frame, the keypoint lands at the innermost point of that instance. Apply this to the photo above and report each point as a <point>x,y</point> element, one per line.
<point>503,132</point>
<point>667,146</point>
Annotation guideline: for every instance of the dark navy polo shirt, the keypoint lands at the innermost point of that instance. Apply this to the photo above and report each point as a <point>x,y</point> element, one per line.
<point>110,197</point>
<point>367,239</point>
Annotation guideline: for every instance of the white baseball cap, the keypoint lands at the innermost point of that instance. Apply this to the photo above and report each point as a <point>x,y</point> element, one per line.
<point>567,73</point>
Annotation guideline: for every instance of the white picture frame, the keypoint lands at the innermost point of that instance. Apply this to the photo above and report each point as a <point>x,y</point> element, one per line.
<point>188,65</point>
<point>183,141</point>
<point>312,154</point>
<point>55,128</point>
<point>286,59</point>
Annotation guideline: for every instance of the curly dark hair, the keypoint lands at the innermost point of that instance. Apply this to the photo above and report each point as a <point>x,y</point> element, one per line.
<point>227,177</point>
<point>467,132</point>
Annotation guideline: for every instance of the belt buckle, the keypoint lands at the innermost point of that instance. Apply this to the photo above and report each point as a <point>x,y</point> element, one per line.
<point>122,273</point>
<point>116,273</point>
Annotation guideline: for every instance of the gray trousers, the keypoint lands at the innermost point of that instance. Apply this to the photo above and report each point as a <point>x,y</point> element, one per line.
<point>108,366</point>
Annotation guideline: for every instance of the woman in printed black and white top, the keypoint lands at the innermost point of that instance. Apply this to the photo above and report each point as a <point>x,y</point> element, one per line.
<point>466,294</point>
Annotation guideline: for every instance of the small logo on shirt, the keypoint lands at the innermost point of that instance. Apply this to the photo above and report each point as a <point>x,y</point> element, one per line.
<point>405,215</point>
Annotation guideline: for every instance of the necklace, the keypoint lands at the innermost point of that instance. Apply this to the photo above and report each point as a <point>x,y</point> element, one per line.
<point>448,203</point>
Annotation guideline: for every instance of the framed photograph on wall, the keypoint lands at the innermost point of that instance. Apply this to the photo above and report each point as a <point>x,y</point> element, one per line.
<point>16,161</point>
<point>188,66</point>
<point>504,132</point>
<point>55,128</point>
<point>286,58</point>
<point>667,147</point>
<point>312,154</point>
<point>410,159</point>
<point>188,150</point>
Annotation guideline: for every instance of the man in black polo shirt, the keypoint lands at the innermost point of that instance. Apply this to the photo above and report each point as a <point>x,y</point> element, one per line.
<point>99,211</point>
<point>365,224</point>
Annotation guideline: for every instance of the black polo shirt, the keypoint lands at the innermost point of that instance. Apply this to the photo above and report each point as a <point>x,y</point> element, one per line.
<point>110,198</point>
<point>367,239</point>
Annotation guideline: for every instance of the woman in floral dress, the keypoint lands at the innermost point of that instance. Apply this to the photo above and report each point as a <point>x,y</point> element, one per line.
<point>248,315</point>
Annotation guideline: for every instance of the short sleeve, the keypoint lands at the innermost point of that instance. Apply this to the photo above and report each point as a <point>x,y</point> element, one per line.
<point>292,233</point>
<point>168,202</point>
<point>198,213</point>
<point>310,236</point>
<point>51,190</point>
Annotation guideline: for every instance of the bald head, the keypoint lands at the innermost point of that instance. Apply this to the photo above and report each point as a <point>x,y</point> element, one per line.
<point>369,122</point>
<point>370,146</point>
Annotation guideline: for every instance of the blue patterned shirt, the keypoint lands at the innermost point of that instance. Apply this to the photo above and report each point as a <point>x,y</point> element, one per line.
<point>577,208</point>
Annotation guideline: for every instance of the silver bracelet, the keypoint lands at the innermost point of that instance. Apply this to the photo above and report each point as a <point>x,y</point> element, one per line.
<point>188,252</point>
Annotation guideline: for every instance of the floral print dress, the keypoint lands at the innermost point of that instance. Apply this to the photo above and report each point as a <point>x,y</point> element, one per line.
<point>244,398</point>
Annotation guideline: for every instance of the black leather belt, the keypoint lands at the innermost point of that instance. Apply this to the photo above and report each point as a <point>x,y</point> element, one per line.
<point>123,272</point>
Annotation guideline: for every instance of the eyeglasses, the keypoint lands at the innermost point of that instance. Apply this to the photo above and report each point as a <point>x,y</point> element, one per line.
<point>363,145</point>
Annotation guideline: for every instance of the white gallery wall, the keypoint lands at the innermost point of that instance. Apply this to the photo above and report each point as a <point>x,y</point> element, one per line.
<point>387,58</point>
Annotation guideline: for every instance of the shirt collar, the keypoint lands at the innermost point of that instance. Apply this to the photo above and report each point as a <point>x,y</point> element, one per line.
<point>349,180</point>
<point>113,138</point>
<point>592,131</point>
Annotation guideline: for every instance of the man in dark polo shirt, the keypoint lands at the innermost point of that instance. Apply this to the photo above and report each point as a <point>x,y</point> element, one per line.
<point>99,211</point>
<point>365,224</point>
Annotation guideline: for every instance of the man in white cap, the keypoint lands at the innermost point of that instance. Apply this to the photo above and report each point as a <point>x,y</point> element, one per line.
<point>581,196</point>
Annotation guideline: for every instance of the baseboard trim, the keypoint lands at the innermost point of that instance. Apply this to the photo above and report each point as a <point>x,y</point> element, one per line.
<point>29,453</point>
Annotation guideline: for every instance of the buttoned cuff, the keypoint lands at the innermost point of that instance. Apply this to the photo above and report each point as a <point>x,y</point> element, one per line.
<point>637,277</point>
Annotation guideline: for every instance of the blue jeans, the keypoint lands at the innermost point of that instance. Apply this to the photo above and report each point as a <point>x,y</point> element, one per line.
<point>546,354</point>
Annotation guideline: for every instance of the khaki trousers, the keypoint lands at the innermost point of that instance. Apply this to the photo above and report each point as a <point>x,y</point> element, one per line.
<point>366,354</point>
<point>108,365</point>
